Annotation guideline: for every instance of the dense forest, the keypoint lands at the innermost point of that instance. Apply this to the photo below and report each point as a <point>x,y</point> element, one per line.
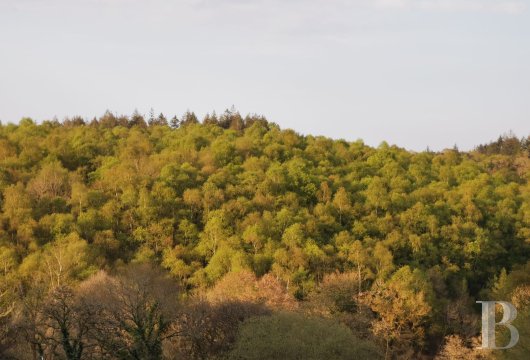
<point>127,237</point>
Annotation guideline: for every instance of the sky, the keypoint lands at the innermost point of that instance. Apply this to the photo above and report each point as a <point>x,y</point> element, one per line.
<point>416,73</point>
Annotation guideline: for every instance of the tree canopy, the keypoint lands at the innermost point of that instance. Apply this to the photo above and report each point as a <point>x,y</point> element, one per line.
<point>383,235</point>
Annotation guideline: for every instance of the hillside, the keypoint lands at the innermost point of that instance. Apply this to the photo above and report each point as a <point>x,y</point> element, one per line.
<point>234,220</point>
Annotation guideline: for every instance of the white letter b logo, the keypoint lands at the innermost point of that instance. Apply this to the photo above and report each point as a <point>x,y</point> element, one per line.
<point>488,323</point>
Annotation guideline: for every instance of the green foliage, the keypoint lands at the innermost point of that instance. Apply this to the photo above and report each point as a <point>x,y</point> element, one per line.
<point>292,336</point>
<point>420,231</point>
<point>515,288</point>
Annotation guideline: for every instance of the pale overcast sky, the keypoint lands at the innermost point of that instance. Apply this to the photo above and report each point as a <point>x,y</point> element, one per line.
<point>416,73</point>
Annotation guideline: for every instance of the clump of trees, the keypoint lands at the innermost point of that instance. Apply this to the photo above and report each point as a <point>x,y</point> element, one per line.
<point>508,144</point>
<point>293,336</point>
<point>134,237</point>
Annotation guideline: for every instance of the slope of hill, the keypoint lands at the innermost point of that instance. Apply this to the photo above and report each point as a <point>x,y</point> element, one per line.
<point>239,213</point>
